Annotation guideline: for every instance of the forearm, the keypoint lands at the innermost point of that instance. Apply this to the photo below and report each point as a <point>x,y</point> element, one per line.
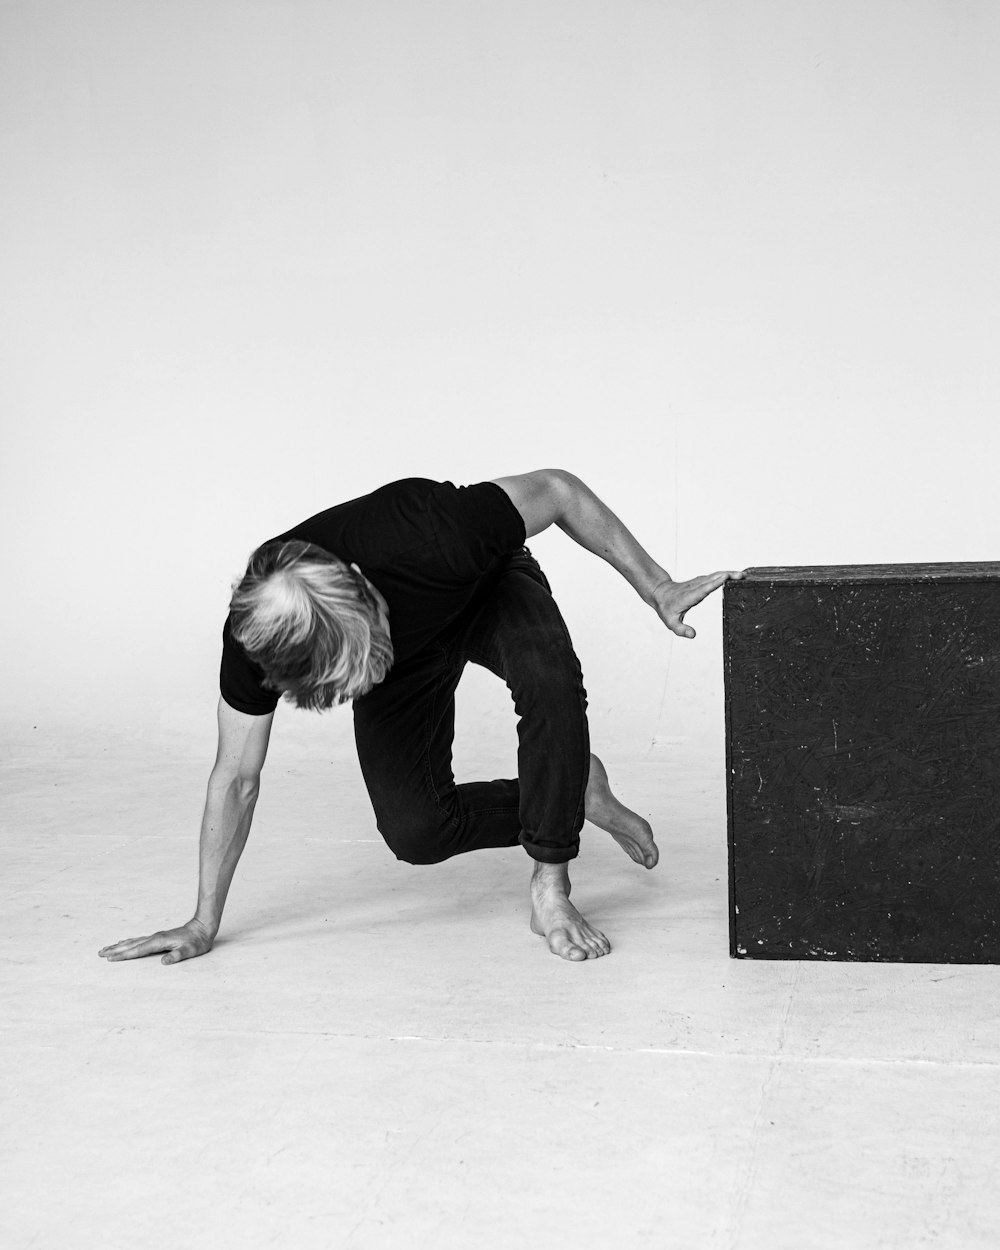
<point>592,524</point>
<point>225,827</point>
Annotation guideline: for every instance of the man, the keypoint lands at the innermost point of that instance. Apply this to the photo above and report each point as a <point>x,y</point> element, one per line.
<point>383,600</point>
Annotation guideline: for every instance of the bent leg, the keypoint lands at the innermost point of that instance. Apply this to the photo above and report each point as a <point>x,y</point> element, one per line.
<point>404,731</point>
<point>520,635</point>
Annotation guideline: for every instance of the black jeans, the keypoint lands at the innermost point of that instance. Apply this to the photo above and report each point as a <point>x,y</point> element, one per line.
<point>404,731</point>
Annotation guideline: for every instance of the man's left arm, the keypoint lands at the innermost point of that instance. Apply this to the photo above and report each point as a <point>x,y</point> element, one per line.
<point>554,497</point>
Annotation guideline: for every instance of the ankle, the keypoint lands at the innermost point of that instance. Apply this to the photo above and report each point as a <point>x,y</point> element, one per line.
<point>550,877</point>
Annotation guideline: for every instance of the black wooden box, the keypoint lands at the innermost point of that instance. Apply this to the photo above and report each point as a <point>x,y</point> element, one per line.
<point>863,760</point>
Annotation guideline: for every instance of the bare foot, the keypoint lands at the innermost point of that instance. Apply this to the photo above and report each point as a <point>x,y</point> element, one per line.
<point>628,829</point>
<point>554,917</point>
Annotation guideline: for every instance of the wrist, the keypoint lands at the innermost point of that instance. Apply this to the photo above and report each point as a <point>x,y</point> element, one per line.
<point>210,926</point>
<point>657,579</point>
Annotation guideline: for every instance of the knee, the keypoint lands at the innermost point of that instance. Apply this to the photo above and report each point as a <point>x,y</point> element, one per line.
<point>544,674</point>
<point>414,840</point>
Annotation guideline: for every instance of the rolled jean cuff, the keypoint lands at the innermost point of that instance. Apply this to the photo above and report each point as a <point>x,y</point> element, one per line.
<point>549,854</point>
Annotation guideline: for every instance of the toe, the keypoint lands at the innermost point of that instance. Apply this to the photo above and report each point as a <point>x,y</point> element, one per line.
<point>596,943</point>
<point>561,944</point>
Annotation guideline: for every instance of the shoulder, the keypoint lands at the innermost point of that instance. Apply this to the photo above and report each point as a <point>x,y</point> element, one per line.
<point>241,682</point>
<point>539,496</point>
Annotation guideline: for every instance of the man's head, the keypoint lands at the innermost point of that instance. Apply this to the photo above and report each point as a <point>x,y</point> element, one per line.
<point>314,624</point>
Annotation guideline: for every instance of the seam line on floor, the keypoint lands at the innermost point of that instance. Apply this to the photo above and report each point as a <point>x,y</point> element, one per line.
<point>595,1047</point>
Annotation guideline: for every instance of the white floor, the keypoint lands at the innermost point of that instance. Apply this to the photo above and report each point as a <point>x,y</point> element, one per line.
<point>377,1055</point>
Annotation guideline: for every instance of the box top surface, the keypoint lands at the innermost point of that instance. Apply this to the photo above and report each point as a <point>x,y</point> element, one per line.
<point>823,575</point>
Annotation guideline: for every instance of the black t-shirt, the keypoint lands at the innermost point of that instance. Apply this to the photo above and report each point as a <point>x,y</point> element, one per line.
<point>430,548</point>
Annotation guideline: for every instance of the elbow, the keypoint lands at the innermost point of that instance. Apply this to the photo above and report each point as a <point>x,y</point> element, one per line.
<point>560,485</point>
<point>563,489</point>
<point>247,788</point>
<point>244,787</point>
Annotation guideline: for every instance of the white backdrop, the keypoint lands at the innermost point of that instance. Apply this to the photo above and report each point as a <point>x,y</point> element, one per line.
<point>735,265</point>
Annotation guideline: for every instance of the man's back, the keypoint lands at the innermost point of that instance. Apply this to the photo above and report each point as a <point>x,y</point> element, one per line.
<point>431,549</point>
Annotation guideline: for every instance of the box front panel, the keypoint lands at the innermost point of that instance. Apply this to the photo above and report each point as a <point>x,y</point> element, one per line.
<point>863,741</point>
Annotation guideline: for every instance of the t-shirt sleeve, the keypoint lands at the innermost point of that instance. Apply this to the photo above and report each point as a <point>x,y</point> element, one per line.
<point>476,525</point>
<point>240,680</point>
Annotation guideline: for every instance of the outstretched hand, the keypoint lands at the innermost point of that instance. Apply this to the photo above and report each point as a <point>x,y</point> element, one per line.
<point>672,600</point>
<point>184,942</point>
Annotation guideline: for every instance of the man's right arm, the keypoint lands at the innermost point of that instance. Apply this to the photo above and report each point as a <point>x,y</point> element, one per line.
<point>232,794</point>
<point>554,497</point>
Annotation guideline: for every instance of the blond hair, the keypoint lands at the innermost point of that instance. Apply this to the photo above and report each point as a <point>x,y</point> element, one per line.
<point>312,623</point>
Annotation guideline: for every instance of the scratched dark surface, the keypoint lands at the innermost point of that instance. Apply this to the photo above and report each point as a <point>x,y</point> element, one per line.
<point>863,753</point>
